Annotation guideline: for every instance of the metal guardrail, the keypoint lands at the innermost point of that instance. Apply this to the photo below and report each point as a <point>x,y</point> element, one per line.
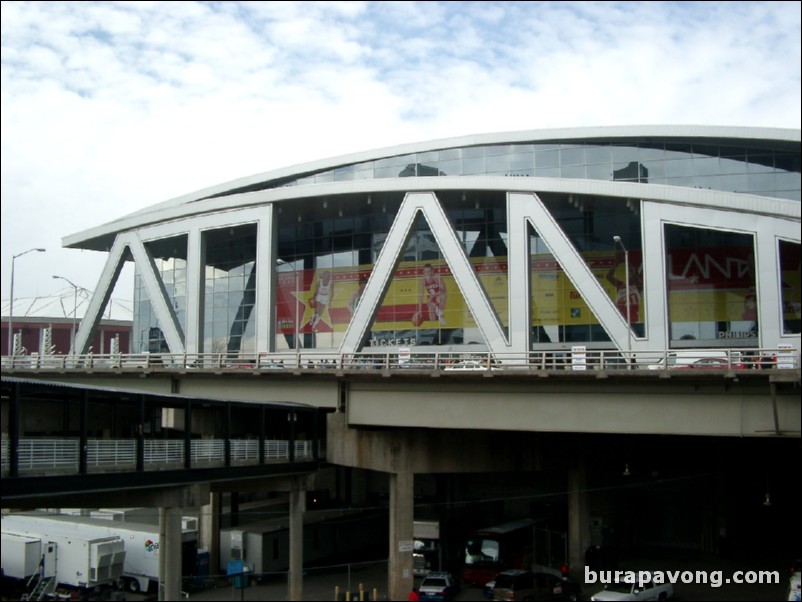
<point>38,455</point>
<point>446,361</point>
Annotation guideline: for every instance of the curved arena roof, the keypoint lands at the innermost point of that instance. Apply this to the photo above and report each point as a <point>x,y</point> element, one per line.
<point>283,184</point>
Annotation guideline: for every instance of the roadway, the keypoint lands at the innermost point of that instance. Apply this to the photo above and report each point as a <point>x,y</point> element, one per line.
<point>320,584</point>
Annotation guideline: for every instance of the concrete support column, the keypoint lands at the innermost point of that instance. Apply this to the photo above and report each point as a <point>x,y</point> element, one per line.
<point>170,553</point>
<point>297,509</point>
<point>399,578</point>
<point>578,519</point>
<point>210,531</point>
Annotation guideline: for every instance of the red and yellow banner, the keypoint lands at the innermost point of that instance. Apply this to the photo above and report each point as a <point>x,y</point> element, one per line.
<point>709,285</point>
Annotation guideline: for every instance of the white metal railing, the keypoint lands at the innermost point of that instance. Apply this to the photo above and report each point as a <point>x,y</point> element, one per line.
<point>111,452</point>
<point>164,451</point>
<point>399,359</point>
<point>49,454</point>
<point>244,450</point>
<point>207,450</point>
<point>277,449</point>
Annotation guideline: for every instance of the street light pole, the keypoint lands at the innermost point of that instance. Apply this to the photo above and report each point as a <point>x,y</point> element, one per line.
<point>74,311</point>
<point>9,351</point>
<point>617,239</point>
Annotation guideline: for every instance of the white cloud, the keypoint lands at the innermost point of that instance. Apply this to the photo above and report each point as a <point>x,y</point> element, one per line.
<point>108,107</point>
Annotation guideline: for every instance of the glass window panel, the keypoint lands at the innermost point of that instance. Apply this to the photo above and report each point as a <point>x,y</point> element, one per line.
<point>522,161</point>
<point>711,287</point>
<point>688,181</point>
<point>790,270</point>
<point>733,151</point>
<point>498,149</point>
<point>731,166</point>
<point>573,156</point>
<point>573,171</point>
<point>787,161</point>
<point>545,159</point>
<point>343,175</point>
<point>450,153</point>
<point>598,154</point>
<point>386,172</point>
<point>473,151</point>
<point>736,183</point>
<point>677,169</point>
<point>760,163</point>
<point>706,166</point>
<point>651,154</point>
<point>708,182</point>
<point>547,172</point>
<point>788,181</point>
<point>706,150</point>
<point>624,154</point>
<point>326,176</point>
<point>473,166</point>
<point>451,168</point>
<point>498,164</point>
<point>761,182</point>
<point>429,157</point>
<point>599,171</point>
<point>382,163</point>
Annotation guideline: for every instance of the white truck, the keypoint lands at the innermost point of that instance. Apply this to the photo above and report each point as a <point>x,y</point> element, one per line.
<point>141,568</point>
<point>59,555</point>
<point>426,547</point>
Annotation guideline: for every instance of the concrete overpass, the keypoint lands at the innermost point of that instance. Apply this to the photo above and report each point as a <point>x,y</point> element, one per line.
<point>407,419</point>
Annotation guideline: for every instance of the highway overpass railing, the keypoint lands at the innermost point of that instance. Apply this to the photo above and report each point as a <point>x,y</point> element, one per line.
<point>576,359</point>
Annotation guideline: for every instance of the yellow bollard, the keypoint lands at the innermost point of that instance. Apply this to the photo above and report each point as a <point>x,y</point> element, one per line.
<point>375,595</point>
<point>336,593</point>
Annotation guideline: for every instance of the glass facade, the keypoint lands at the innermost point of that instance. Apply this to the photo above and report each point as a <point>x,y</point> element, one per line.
<point>790,277</point>
<point>230,290</point>
<point>711,287</point>
<point>744,169</point>
<point>169,255</point>
<point>327,247</point>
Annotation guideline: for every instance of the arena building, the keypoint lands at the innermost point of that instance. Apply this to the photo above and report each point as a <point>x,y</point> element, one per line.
<point>627,238</point>
<point>608,244</point>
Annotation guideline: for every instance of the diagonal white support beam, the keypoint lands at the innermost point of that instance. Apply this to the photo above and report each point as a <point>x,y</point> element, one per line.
<point>105,286</point>
<point>165,313</point>
<point>528,207</point>
<point>458,262</point>
<point>460,265</point>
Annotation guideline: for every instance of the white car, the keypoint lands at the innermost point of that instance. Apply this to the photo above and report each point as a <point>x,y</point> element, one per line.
<point>634,591</point>
<point>470,365</point>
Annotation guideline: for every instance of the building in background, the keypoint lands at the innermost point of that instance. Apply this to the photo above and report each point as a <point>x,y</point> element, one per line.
<point>32,319</point>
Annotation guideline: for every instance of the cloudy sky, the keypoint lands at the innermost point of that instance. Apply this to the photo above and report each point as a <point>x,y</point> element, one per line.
<point>108,107</point>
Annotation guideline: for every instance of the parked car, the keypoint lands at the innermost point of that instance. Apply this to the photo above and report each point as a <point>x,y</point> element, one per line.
<point>438,586</point>
<point>634,591</point>
<point>470,365</point>
<point>702,359</point>
<point>536,586</point>
<point>710,363</point>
